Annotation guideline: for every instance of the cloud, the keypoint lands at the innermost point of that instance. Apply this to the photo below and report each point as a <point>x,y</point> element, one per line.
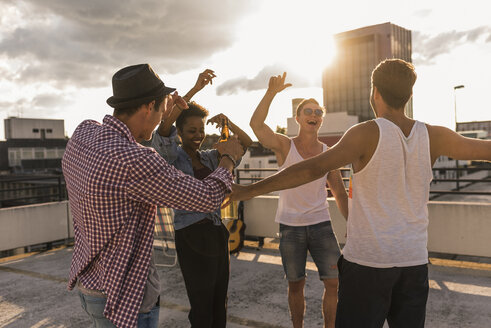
<point>13,108</point>
<point>426,48</point>
<point>422,13</point>
<point>260,81</point>
<point>49,100</point>
<point>41,105</point>
<point>82,43</point>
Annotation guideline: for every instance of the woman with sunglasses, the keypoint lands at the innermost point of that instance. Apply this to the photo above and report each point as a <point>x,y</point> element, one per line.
<point>303,213</point>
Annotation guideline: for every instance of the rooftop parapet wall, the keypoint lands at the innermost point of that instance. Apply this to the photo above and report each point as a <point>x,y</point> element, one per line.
<point>454,227</point>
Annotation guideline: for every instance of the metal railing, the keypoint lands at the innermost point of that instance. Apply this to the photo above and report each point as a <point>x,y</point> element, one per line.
<point>241,179</point>
<point>24,190</point>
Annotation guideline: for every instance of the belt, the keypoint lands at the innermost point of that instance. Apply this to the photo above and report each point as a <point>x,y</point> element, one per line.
<point>90,292</point>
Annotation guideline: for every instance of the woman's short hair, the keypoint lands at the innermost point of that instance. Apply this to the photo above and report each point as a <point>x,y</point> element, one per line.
<point>193,110</point>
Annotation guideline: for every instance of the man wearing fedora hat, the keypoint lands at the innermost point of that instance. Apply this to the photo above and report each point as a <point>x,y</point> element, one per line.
<point>114,185</point>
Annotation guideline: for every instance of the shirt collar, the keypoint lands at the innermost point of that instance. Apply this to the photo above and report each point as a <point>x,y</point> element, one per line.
<point>115,124</point>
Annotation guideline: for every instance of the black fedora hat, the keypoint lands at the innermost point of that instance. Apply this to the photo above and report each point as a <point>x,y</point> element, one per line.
<point>136,85</point>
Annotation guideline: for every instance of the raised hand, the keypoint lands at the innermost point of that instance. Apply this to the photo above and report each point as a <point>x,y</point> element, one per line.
<point>218,120</point>
<point>204,78</point>
<point>170,101</point>
<point>277,83</point>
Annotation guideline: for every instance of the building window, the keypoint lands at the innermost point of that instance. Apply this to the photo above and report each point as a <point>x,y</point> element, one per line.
<point>27,153</point>
<point>35,130</point>
<point>14,156</point>
<point>49,130</point>
<point>39,153</point>
<point>272,161</point>
<point>51,153</point>
<point>246,166</point>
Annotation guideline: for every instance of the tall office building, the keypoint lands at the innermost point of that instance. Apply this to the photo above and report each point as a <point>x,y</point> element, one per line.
<point>346,82</point>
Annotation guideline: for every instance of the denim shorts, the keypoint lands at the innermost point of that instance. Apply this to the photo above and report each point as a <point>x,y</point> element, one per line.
<point>94,306</point>
<point>319,240</point>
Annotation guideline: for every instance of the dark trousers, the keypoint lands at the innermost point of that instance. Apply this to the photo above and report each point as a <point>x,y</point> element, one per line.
<point>367,296</point>
<point>202,251</point>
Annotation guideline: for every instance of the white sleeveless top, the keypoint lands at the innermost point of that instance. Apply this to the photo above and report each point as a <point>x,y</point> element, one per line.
<point>388,214</point>
<point>306,204</point>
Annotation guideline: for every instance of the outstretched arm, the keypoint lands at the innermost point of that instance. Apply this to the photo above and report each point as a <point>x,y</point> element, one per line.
<point>170,116</point>
<point>445,142</point>
<point>267,137</point>
<point>349,149</point>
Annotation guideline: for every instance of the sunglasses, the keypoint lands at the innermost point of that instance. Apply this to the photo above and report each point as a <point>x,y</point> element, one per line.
<point>317,112</point>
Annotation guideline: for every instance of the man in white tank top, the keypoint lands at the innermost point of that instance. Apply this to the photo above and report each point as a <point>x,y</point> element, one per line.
<point>383,274</point>
<point>303,214</point>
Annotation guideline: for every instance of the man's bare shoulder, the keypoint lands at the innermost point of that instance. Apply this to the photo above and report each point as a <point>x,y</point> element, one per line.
<point>282,148</point>
<point>438,134</point>
<point>363,131</point>
<point>437,129</point>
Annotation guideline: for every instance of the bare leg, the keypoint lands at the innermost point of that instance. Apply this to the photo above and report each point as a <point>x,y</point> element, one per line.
<point>296,301</point>
<point>329,302</point>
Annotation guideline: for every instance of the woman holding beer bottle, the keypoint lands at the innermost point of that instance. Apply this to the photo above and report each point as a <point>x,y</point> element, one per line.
<point>201,238</point>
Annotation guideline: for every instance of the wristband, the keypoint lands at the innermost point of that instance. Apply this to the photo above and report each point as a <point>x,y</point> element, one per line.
<point>229,157</point>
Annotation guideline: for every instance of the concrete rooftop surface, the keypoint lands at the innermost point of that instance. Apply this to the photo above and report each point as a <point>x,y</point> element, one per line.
<point>33,292</point>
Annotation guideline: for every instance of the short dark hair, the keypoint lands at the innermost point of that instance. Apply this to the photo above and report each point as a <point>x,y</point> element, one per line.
<point>193,110</point>
<point>129,111</point>
<point>305,102</point>
<point>394,79</point>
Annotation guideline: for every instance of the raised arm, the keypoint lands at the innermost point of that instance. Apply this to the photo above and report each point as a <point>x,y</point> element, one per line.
<point>171,115</point>
<point>267,137</point>
<point>244,139</point>
<point>445,142</point>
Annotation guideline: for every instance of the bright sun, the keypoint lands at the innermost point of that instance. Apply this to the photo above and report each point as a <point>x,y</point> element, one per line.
<point>290,35</point>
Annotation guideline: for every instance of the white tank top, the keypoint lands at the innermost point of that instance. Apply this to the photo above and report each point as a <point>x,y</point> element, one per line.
<point>388,214</point>
<point>306,204</point>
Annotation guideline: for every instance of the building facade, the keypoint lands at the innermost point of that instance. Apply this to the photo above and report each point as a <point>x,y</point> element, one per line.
<point>32,145</point>
<point>346,82</point>
<point>475,126</point>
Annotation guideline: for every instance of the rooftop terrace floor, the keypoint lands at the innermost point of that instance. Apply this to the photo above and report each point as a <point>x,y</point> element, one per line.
<point>33,292</point>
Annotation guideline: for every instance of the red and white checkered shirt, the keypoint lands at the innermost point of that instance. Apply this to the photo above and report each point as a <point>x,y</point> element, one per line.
<point>114,185</point>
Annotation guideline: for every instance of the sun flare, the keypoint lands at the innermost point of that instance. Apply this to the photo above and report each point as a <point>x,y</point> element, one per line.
<point>298,38</point>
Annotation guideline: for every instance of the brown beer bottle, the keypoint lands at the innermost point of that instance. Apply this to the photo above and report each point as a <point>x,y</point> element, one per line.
<point>225,133</point>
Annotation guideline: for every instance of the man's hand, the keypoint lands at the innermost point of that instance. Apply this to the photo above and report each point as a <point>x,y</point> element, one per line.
<point>204,78</point>
<point>169,102</point>
<point>239,192</point>
<point>232,147</point>
<point>277,83</point>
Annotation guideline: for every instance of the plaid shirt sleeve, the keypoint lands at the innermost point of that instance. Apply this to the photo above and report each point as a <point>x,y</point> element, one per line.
<point>155,181</point>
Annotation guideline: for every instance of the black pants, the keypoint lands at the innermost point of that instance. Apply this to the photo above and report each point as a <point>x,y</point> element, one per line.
<point>367,296</point>
<point>202,251</point>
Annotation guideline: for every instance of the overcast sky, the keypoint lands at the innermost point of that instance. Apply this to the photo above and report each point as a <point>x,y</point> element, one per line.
<point>58,56</point>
